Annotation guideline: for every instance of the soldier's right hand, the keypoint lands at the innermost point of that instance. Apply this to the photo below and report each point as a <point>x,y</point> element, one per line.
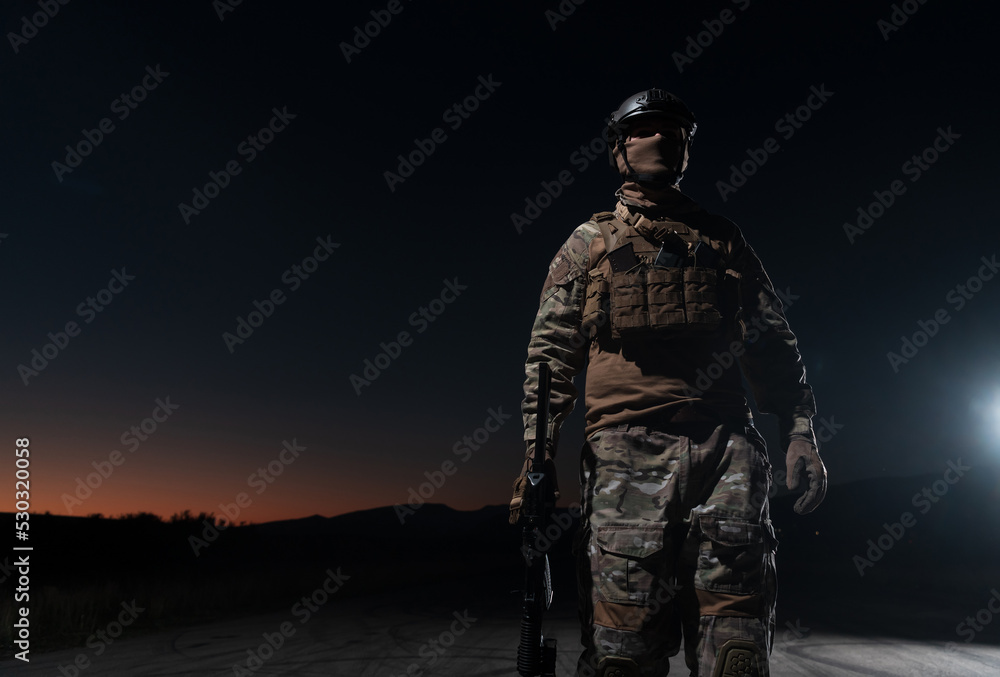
<point>521,487</point>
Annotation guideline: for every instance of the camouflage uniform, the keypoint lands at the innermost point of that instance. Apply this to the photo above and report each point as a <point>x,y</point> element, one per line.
<point>663,511</point>
<point>676,538</point>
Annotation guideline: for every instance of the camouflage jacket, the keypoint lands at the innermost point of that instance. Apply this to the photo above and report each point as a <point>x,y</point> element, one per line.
<point>625,385</point>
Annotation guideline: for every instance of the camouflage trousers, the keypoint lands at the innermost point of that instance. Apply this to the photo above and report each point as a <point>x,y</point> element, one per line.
<point>676,545</point>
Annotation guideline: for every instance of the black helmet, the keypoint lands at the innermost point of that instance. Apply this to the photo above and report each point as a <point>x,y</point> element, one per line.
<point>649,102</point>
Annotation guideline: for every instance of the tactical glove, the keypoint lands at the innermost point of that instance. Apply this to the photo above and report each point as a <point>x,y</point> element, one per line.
<point>803,456</point>
<point>521,486</point>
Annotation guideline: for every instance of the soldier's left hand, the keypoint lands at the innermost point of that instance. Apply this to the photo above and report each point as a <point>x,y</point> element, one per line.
<point>803,456</point>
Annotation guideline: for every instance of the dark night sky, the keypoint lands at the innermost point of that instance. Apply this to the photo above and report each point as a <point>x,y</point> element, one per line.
<point>322,176</point>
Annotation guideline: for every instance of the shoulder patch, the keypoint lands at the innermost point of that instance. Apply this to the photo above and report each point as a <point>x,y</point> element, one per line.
<point>572,259</point>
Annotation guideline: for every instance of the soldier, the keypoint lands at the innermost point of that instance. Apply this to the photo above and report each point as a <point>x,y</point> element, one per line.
<point>665,303</point>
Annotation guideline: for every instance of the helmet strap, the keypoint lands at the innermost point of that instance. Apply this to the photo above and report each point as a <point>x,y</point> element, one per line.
<point>685,151</point>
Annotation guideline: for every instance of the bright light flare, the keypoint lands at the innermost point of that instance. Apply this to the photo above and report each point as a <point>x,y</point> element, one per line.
<point>989,411</point>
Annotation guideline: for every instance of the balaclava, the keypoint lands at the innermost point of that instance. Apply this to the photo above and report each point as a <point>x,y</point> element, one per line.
<point>651,166</point>
<point>654,162</point>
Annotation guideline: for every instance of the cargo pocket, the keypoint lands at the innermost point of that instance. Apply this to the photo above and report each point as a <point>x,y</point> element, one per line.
<point>628,302</point>
<point>733,555</point>
<point>665,292</point>
<point>629,561</point>
<point>701,299</point>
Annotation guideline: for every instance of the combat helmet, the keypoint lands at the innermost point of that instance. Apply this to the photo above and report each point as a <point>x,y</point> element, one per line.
<point>649,102</point>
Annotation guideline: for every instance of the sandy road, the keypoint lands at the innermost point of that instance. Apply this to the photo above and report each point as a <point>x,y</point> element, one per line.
<point>385,637</point>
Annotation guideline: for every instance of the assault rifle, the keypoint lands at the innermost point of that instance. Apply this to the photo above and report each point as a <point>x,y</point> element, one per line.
<point>535,654</point>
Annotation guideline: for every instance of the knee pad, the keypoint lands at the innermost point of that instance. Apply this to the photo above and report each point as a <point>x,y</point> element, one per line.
<point>616,666</point>
<point>738,658</point>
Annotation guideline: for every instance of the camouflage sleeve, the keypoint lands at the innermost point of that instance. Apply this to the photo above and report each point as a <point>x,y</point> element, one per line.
<point>556,336</point>
<point>771,363</point>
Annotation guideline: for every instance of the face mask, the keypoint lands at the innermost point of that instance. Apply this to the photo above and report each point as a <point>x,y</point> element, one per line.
<point>657,155</point>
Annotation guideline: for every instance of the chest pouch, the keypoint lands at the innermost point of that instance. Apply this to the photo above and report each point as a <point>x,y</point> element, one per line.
<point>641,298</point>
<point>597,306</point>
<point>665,301</point>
